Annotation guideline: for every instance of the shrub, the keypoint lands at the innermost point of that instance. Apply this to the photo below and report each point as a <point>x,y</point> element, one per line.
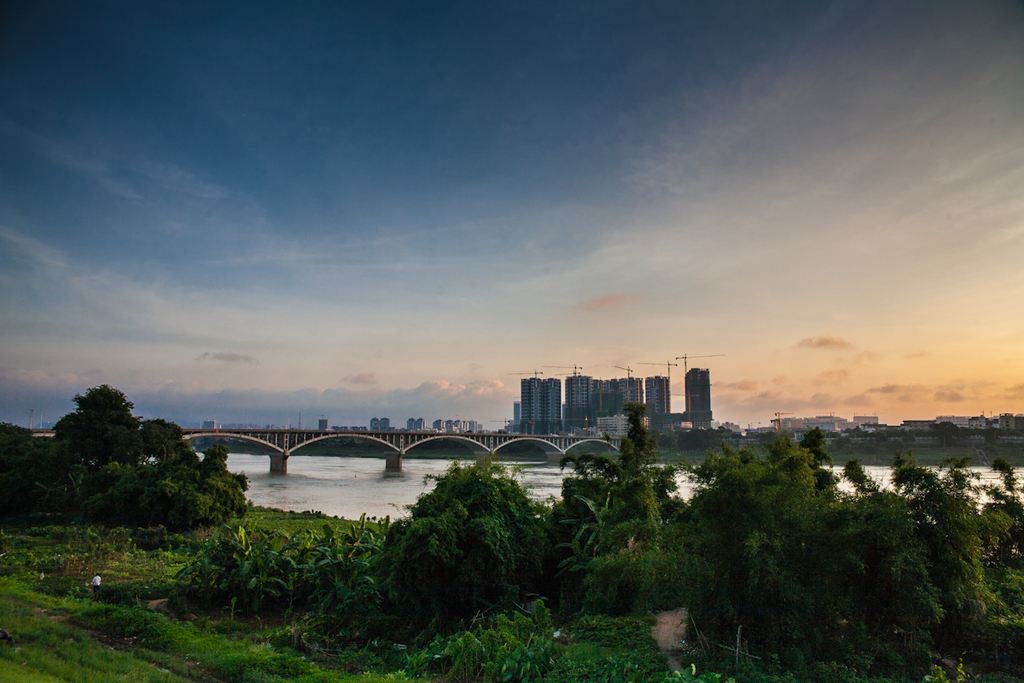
<point>249,568</point>
<point>515,647</point>
<point>472,544</point>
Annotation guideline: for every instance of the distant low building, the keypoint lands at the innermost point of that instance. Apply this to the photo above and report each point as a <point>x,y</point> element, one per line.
<point>1011,421</point>
<point>826,423</point>
<point>861,420</point>
<point>613,425</point>
<point>959,420</point>
<point>978,422</point>
<point>917,425</point>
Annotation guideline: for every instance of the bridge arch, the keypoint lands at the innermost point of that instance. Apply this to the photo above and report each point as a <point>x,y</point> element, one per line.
<point>550,447</point>
<point>243,437</point>
<point>450,437</point>
<point>609,444</point>
<point>346,435</point>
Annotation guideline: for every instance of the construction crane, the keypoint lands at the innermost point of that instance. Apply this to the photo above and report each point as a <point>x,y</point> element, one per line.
<point>532,372</point>
<point>778,419</point>
<point>629,371</point>
<point>668,367</point>
<point>575,368</point>
<point>685,359</point>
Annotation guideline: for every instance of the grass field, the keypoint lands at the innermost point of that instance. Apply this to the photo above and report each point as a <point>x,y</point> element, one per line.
<point>63,634</point>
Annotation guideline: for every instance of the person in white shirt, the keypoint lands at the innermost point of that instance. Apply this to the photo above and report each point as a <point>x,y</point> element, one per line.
<point>96,585</point>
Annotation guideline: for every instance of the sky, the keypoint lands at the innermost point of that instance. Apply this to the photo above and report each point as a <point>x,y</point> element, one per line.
<point>248,211</point>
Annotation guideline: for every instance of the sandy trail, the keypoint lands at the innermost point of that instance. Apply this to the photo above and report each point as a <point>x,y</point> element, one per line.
<point>668,631</point>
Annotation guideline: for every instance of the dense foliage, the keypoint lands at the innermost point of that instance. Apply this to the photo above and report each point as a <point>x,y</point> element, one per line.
<point>113,467</point>
<point>875,580</point>
<point>611,522</point>
<point>326,572</point>
<point>473,544</point>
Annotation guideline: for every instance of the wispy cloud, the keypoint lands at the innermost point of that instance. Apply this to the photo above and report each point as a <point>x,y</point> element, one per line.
<point>946,396</point>
<point>606,302</point>
<point>890,389</point>
<point>834,376</point>
<point>823,343</point>
<point>739,385</point>
<point>228,357</point>
<point>361,378</point>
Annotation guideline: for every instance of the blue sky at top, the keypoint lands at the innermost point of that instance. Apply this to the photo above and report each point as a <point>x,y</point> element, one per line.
<point>391,206</point>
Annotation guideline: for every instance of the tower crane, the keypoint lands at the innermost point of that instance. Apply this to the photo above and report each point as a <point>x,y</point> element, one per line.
<point>629,371</point>
<point>778,419</point>
<point>668,375</point>
<point>668,367</point>
<point>575,368</point>
<point>532,372</point>
<point>685,358</point>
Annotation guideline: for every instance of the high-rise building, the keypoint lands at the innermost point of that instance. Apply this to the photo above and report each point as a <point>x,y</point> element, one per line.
<point>658,396</point>
<point>578,389</point>
<point>321,424</point>
<point>541,405</point>
<point>380,424</point>
<point>414,424</point>
<point>698,398</point>
<point>517,417</point>
<point>631,388</point>
<point>210,425</point>
<point>606,399</point>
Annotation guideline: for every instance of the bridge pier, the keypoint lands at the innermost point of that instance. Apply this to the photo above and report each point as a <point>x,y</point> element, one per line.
<point>393,463</point>
<point>279,463</point>
<point>555,457</point>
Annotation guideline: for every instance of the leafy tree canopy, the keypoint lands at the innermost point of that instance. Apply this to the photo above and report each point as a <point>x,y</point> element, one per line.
<point>102,429</point>
<point>472,544</point>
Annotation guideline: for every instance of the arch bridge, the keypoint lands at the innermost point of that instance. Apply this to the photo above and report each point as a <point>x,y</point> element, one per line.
<point>284,442</point>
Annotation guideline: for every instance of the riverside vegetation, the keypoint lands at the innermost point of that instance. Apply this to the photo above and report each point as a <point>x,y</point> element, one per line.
<point>786,576</point>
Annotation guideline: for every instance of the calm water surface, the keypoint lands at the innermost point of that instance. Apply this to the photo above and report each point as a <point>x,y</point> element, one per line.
<point>350,486</point>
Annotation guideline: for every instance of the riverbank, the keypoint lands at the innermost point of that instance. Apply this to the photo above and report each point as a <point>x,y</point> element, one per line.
<point>132,630</point>
<point>137,628</point>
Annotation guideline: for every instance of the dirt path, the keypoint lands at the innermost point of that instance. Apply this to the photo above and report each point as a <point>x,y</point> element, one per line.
<point>668,631</point>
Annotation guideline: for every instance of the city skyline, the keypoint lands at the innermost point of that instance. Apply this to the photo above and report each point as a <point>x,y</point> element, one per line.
<point>363,211</point>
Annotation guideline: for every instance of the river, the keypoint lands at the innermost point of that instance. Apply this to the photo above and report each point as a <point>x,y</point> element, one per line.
<point>350,486</point>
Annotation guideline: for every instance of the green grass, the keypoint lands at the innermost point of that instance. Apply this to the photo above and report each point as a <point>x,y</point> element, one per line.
<point>291,522</point>
<point>69,639</point>
<point>63,634</point>
<point>50,649</point>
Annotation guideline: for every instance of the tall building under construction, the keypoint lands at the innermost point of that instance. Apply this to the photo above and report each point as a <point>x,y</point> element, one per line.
<point>698,398</point>
<point>540,405</point>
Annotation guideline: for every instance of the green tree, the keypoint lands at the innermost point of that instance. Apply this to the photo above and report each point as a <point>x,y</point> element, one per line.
<point>473,543</point>
<point>944,507</point>
<point>947,433</point>
<point>36,474</point>
<point>1007,498</point>
<point>162,441</point>
<point>102,429</point>
<point>608,523</point>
